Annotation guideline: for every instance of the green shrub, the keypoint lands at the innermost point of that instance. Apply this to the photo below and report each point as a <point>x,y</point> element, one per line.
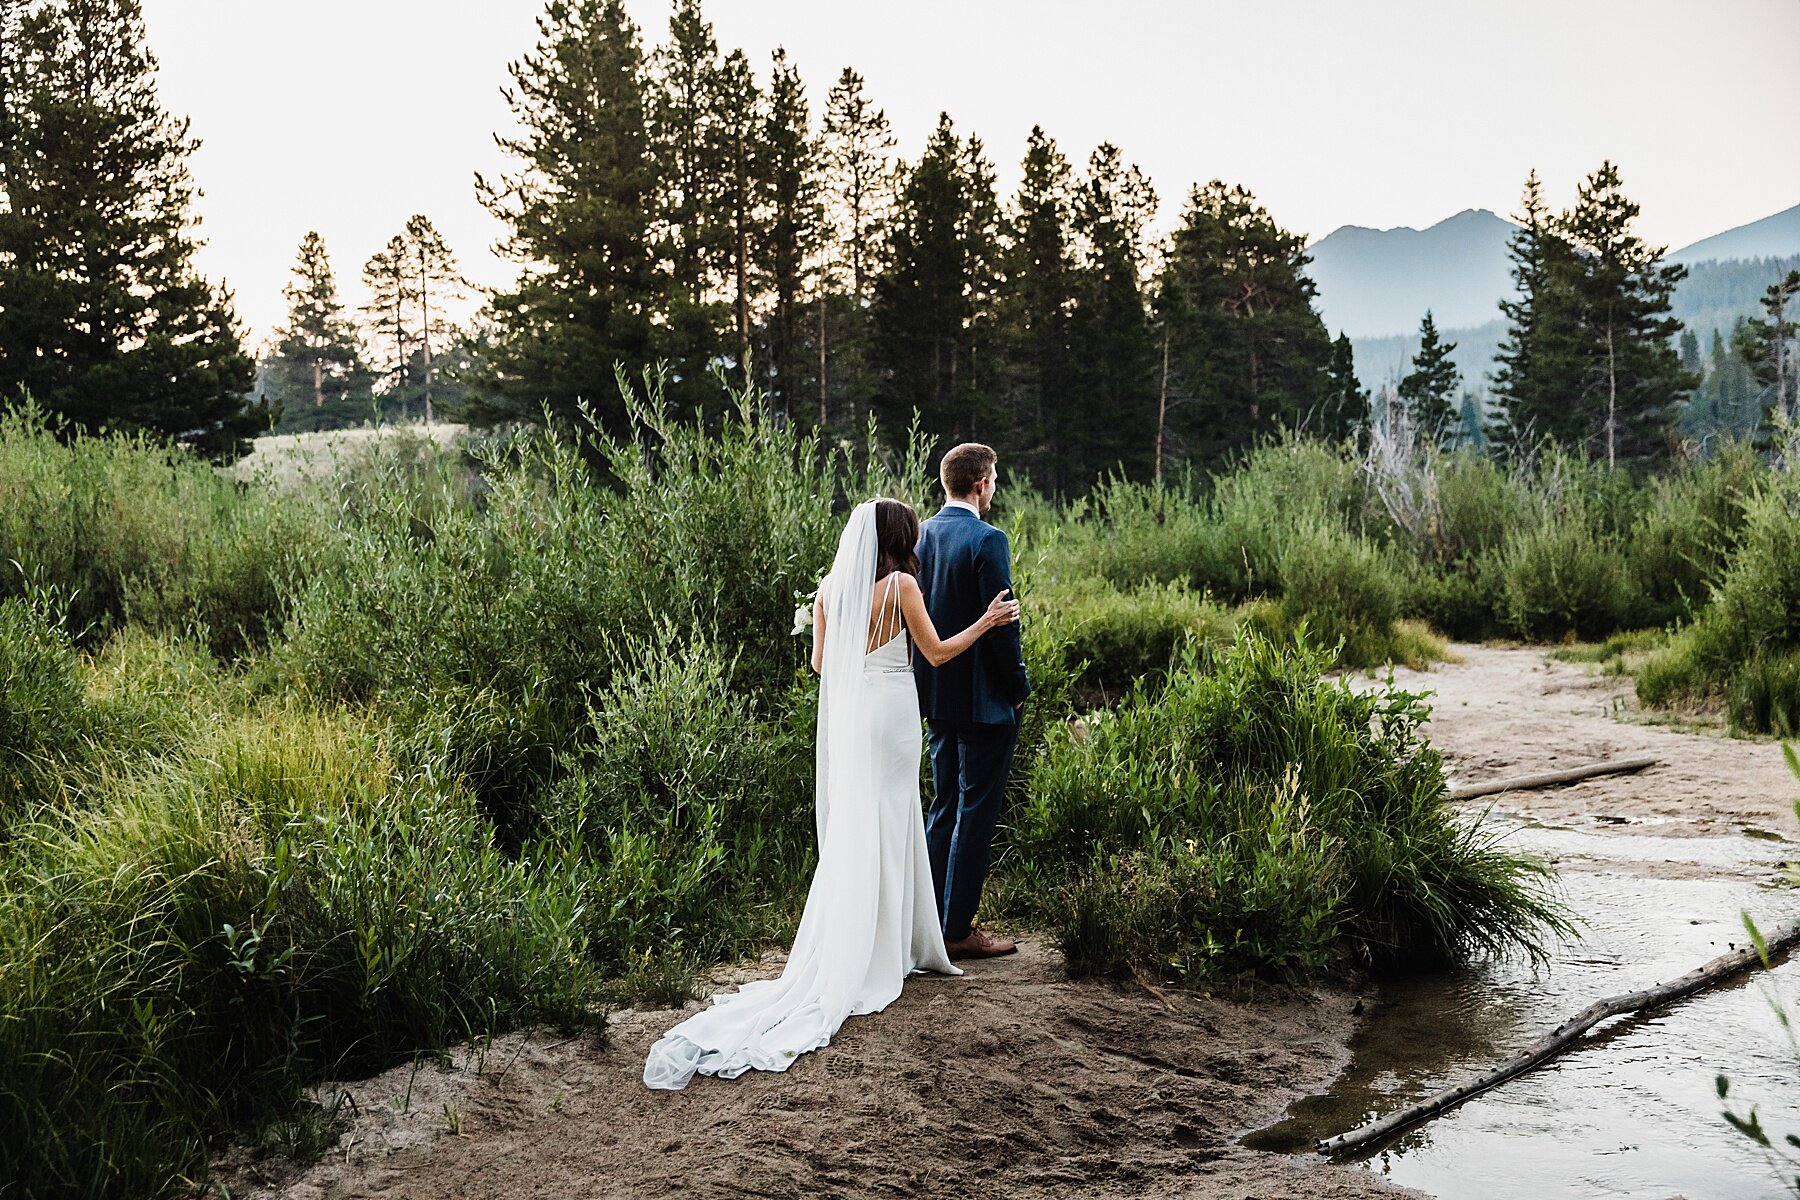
<point>1254,796</point>
<point>1114,639</point>
<point>278,900</point>
<point>1690,524</point>
<point>1345,589</point>
<point>1752,615</point>
<point>1765,696</point>
<point>695,807</point>
<point>1563,573</point>
<point>486,629</point>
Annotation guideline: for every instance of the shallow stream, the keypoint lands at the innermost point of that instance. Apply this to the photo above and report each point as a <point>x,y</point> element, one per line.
<point>1631,1111</point>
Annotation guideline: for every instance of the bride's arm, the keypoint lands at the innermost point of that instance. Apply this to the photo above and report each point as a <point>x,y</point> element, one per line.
<point>1003,611</point>
<point>818,655</point>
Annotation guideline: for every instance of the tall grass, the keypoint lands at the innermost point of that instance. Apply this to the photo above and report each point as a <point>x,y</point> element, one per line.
<point>1253,814</point>
<point>131,529</point>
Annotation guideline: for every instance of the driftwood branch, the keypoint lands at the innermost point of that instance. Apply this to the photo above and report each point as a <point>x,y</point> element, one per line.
<point>1521,783</point>
<point>1565,1035</point>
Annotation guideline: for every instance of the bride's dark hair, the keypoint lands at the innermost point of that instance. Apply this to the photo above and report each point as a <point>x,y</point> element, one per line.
<point>896,536</point>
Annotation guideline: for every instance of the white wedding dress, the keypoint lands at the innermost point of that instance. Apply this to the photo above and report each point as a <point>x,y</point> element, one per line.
<point>870,917</point>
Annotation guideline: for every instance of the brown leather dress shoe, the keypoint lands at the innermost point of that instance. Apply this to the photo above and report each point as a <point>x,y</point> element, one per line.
<point>980,944</point>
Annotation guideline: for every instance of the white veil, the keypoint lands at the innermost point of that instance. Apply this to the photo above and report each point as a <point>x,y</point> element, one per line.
<point>843,704</point>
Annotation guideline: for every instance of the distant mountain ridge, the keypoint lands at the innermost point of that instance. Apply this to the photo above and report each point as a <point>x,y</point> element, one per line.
<point>1775,236</point>
<point>1375,284</point>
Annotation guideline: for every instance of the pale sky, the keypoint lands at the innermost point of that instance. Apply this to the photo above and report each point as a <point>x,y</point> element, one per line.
<point>347,116</point>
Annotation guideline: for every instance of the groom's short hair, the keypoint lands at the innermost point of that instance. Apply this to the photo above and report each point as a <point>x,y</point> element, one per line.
<point>965,466</point>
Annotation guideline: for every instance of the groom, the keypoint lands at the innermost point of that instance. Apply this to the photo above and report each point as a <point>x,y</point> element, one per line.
<point>972,703</point>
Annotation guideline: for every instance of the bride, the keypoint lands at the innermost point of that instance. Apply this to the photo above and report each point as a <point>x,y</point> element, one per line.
<point>870,916</point>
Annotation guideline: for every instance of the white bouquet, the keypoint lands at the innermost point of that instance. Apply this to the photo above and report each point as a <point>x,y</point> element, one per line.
<point>803,613</point>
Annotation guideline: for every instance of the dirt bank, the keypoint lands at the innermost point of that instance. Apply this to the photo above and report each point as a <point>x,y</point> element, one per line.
<point>1011,1081</point>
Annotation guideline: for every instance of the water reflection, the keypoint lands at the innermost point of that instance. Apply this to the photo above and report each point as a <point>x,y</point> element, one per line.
<point>1629,1113</point>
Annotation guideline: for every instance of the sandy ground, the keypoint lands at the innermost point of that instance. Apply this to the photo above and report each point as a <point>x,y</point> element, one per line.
<point>1015,1081</point>
<point>1514,711</point>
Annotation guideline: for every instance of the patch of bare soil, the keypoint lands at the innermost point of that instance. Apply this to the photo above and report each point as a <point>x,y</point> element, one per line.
<point>1011,1081</point>
<point>1514,711</point>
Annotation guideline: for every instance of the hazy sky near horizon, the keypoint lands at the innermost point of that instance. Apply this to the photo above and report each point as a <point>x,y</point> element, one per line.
<point>347,117</point>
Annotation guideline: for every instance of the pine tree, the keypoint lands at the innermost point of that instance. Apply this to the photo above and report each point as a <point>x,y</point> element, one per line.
<point>1346,407</point>
<point>1035,318</point>
<point>1114,372</point>
<point>433,282</point>
<point>1536,363</point>
<point>578,215</point>
<point>1633,381</point>
<point>391,319</point>
<point>103,318</point>
<point>1250,352</point>
<point>933,306</point>
<point>738,128</point>
<point>689,232</point>
<point>1772,347</point>
<point>317,364</point>
<point>1590,358</point>
<point>1690,351</point>
<point>1429,390</point>
<point>856,147</point>
<point>793,232</point>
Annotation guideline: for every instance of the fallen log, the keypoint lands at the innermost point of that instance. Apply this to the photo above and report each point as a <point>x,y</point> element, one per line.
<point>1565,1035</point>
<point>1522,783</point>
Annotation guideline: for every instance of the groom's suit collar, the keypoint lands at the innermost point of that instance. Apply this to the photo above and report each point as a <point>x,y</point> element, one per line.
<point>950,505</point>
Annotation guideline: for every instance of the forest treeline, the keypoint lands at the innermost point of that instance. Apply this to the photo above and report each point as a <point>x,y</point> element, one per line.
<point>680,209</point>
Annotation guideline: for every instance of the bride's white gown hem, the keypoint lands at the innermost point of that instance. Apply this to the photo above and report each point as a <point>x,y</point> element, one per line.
<point>871,917</point>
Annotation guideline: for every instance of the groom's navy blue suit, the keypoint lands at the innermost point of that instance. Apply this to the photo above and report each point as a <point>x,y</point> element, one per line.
<point>971,704</point>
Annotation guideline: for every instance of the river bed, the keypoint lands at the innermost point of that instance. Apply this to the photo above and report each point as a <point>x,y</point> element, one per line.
<point>1630,1112</point>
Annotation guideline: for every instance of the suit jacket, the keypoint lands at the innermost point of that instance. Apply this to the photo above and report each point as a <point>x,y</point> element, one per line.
<point>963,564</point>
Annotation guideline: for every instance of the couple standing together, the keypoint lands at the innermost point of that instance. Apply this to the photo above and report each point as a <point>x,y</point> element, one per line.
<point>892,893</point>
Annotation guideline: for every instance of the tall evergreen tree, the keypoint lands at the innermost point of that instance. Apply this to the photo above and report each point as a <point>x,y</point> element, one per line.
<point>1589,357</point>
<point>1536,371</point>
<point>391,314</point>
<point>1690,351</point>
<point>690,234</point>
<point>1346,408</point>
<point>792,233</point>
<point>578,214</point>
<point>433,283</point>
<point>1249,352</point>
<point>1771,346</point>
<point>933,304</point>
<point>103,317</point>
<point>317,364</point>
<point>1112,422</point>
<point>1036,309</point>
<point>1633,381</point>
<point>1429,389</point>
<point>738,128</point>
<point>856,148</point>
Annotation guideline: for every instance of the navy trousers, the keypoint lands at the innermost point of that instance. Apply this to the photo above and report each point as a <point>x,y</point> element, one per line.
<point>969,765</point>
